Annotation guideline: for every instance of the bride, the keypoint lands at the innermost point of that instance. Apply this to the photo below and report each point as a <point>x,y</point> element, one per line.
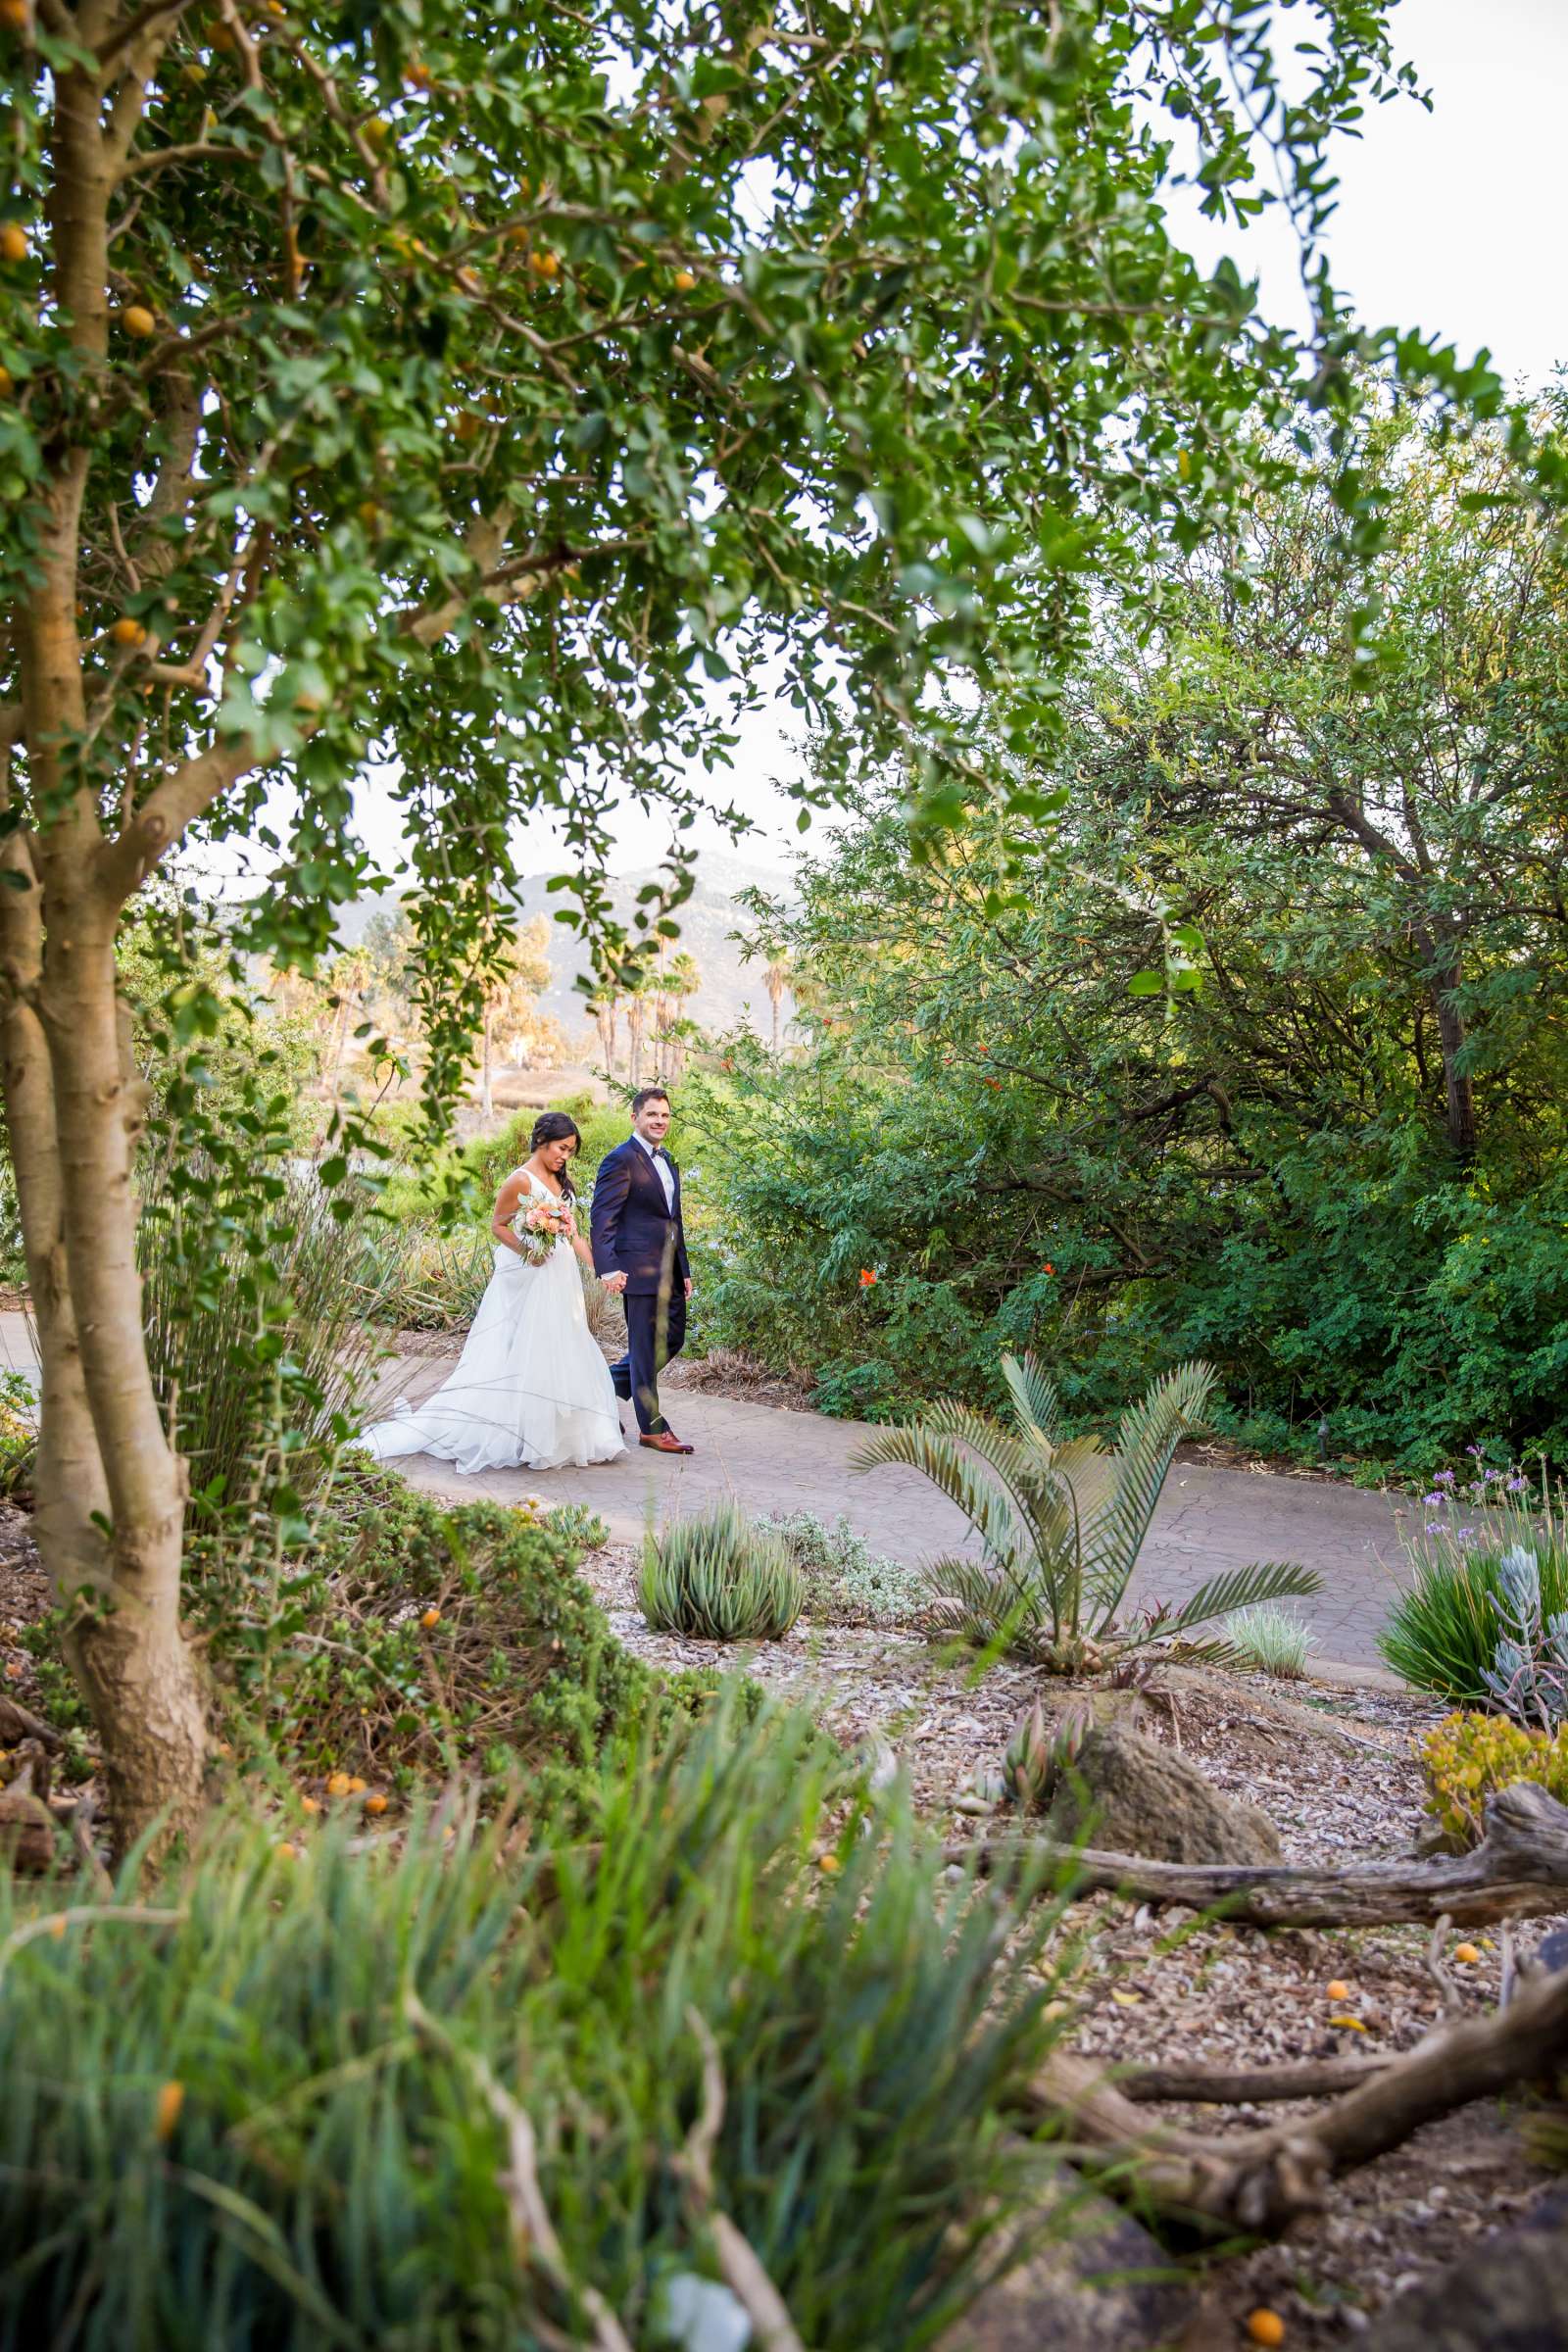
<point>531,1390</point>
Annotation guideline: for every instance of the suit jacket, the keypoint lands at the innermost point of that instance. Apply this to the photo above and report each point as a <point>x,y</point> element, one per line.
<point>632,1228</point>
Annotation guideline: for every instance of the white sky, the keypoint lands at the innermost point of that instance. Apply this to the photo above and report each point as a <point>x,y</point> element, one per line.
<point>1449,221</point>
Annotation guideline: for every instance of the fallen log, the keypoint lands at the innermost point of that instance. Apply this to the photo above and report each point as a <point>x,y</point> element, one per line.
<point>1262,2181</point>
<point>1518,1871</point>
<point>1248,2085</point>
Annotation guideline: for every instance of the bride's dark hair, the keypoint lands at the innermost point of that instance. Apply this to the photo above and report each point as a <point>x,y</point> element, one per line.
<point>554,1127</point>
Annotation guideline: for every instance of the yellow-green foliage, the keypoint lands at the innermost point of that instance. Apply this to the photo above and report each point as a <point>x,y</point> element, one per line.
<point>1469,1756</point>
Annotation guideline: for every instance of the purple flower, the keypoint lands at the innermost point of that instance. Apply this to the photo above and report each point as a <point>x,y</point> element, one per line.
<point>1517,1486</point>
<point>1488,1476</point>
<point>1475,1451</point>
<point>1466,1535</point>
<point>1445,1478</point>
<point>1433,1527</point>
<point>1434,1501</point>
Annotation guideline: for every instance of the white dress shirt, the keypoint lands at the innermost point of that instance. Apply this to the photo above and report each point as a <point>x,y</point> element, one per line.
<point>662,1169</point>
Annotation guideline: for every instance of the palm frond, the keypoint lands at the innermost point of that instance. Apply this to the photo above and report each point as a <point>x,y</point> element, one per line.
<point>942,1458</point>
<point>1235,1589</point>
<point>1035,1399</point>
<point>978,1602</point>
<point>1147,1439</point>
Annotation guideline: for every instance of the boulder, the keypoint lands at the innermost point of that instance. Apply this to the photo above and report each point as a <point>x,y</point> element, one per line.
<point>1509,2294</point>
<point>1130,1795</point>
<point>1103,2286</point>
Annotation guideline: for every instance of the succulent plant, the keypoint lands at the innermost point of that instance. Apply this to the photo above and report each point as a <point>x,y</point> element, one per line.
<point>1039,1752</point>
<point>717,1578</point>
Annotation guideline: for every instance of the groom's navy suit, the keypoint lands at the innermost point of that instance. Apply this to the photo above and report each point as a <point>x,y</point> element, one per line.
<point>636,1232</point>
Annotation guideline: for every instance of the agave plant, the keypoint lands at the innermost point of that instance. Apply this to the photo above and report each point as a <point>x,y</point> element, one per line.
<point>718,1577</point>
<point>1062,1519</point>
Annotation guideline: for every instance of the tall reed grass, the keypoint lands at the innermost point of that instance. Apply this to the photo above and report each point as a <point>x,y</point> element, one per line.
<point>300,2102</point>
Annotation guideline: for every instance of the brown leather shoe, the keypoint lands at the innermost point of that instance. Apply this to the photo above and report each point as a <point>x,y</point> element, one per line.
<point>665,1440</point>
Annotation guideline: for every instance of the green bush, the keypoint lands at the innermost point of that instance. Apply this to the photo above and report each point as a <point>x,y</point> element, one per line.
<point>271,2101</point>
<point>1441,1634</point>
<point>845,1582</point>
<point>718,1577</point>
<point>1467,1757</point>
<point>328,1665</point>
<point>259,1342</point>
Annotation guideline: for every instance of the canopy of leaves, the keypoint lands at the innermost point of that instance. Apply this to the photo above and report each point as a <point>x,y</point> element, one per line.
<point>480,390</point>
<point>1364,864</point>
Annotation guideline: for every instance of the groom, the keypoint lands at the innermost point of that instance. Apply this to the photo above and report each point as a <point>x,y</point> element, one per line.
<point>640,1251</point>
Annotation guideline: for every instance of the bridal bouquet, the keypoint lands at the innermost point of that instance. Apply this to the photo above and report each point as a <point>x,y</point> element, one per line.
<point>539,1226</point>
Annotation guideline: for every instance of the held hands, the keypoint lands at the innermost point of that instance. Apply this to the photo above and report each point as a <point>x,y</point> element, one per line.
<point>615,1282</point>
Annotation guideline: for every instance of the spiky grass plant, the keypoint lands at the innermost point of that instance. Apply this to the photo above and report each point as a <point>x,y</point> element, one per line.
<point>320,2100</point>
<point>716,1577</point>
<point>1062,1519</point>
<point>1441,1634</point>
<point>1270,1639</point>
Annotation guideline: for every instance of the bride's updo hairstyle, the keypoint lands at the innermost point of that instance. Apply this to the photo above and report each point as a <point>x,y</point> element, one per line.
<point>554,1127</point>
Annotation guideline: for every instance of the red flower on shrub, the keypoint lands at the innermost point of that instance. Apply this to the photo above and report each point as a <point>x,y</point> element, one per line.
<point>1049,1268</point>
<point>867,1278</point>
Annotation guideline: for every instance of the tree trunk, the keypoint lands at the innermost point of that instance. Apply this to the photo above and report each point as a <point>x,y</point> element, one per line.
<point>111,1489</point>
<point>634,1042</point>
<point>1459,1103</point>
<point>487,1107</point>
<point>774,994</point>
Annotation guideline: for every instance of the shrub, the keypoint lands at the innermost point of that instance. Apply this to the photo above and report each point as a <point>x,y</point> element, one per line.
<point>1271,1640</point>
<point>1529,1675</point>
<point>1441,1634</point>
<point>1467,1757</point>
<point>718,1577</point>
<point>412,1278</point>
<point>845,1582</point>
<point>272,2103</point>
<point>1061,1521</point>
<point>259,1345</point>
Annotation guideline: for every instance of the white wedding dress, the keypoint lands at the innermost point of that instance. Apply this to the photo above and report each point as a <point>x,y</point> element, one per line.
<point>531,1390</point>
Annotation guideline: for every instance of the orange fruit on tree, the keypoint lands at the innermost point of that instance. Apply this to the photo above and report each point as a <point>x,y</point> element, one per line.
<point>417,77</point>
<point>127,631</point>
<point>170,2099</point>
<point>138,320</point>
<point>14,241</point>
<point>543,262</point>
<point>5,383</point>
<point>1265,2327</point>
<point>15,13</point>
<point>685,282</point>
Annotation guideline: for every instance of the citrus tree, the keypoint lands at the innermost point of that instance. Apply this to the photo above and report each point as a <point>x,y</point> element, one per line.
<point>508,394</point>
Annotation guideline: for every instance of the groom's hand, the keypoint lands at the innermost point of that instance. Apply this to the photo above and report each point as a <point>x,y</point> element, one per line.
<point>688,1286</point>
<point>613,1282</point>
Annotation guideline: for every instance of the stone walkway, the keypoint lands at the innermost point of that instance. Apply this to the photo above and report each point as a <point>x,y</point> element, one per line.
<point>773,1460</point>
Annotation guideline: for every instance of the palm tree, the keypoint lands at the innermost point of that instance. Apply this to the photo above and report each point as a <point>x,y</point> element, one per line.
<point>1061,1521</point>
<point>517,977</point>
<point>603,1005</point>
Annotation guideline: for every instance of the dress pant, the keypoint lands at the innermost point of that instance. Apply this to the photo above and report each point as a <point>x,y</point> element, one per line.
<point>656,1330</point>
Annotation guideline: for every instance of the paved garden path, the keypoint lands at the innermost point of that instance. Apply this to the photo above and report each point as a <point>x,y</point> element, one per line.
<point>774,1461</point>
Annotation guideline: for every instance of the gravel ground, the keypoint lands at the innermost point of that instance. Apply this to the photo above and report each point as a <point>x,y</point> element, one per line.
<point>1336,1771</point>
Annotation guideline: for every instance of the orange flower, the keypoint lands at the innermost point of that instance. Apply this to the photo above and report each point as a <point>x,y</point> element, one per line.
<point>993,1082</point>
<point>1049,1268</point>
<point>867,1278</point>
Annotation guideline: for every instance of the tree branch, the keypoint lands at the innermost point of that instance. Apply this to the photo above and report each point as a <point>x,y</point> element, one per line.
<point>1518,1871</point>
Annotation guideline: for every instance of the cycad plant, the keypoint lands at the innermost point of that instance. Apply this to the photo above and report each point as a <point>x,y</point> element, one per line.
<point>718,1577</point>
<point>1061,1519</point>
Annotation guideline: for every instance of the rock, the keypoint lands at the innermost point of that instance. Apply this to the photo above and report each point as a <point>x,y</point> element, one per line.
<point>1509,2294</point>
<point>1105,2285</point>
<point>1130,1795</point>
